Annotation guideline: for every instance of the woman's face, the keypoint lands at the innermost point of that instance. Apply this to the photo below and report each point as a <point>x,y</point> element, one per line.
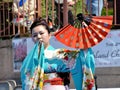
<point>39,33</point>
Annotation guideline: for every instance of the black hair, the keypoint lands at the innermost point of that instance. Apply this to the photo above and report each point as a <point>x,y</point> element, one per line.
<point>40,21</point>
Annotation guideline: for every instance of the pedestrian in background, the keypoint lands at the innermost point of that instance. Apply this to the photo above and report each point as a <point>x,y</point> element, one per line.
<point>94,7</point>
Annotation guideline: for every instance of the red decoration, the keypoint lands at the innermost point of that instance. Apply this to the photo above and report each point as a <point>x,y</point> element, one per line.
<point>86,32</point>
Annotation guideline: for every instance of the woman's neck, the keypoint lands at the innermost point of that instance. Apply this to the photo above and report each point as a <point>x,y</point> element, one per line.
<point>46,46</point>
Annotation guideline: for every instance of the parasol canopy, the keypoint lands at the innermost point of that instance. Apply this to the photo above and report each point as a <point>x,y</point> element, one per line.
<point>86,32</point>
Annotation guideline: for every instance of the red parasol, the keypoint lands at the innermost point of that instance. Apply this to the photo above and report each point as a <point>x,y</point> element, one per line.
<point>86,32</point>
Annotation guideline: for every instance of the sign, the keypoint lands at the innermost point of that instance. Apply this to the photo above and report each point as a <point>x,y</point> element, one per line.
<point>107,53</point>
<point>21,47</point>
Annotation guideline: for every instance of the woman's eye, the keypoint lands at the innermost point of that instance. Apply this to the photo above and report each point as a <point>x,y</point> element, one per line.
<point>34,35</point>
<point>41,33</point>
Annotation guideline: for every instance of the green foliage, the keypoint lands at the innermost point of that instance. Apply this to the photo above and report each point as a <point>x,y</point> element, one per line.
<point>6,0</point>
<point>44,8</point>
<point>110,11</point>
<point>78,7</point>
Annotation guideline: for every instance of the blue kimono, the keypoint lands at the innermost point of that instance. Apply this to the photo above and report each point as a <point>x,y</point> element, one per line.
<point>58,60</point>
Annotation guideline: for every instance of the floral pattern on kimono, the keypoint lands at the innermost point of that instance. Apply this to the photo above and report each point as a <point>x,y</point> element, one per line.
<point>56,60</point>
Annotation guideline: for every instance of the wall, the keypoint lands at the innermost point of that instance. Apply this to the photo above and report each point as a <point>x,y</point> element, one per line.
<point>6,61</point>
<point>106,77</point>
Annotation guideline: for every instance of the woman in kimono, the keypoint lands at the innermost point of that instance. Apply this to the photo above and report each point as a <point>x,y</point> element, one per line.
<point>45,68</point>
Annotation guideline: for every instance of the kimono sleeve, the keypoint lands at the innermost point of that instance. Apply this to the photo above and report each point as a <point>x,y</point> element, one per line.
<point>83,71</point>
